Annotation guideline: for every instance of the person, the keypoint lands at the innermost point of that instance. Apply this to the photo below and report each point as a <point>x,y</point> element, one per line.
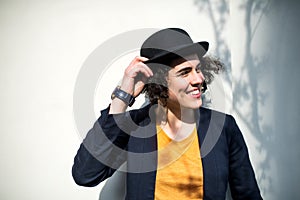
<point>173,147</point>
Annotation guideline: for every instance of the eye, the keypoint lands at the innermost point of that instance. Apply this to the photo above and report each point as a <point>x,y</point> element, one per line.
<point>185,72</point>
<point>199,68</point>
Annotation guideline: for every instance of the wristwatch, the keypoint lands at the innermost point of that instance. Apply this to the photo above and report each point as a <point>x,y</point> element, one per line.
<point>124,96</point>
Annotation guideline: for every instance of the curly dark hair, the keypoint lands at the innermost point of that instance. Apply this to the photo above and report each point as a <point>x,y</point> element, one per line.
<point>157,87</point>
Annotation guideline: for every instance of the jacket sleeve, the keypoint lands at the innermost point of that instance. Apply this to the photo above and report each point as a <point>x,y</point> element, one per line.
<point>242,180</point>
<point>102,151</point>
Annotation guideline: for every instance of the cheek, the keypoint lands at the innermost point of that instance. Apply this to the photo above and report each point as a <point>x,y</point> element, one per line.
<point>177,87</point>
<point>180,84</point>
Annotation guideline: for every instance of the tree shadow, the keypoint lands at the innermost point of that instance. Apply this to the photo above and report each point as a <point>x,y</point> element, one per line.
<point>246,90</point>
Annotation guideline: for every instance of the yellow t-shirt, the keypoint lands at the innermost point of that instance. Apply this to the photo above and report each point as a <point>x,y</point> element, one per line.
<point>179,172</point>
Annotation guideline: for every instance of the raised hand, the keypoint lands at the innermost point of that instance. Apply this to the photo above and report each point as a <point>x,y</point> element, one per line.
<point>133,81</point>
<point>135,76</point>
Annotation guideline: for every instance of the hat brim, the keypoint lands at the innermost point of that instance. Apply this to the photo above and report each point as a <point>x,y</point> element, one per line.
<point>199,48</point>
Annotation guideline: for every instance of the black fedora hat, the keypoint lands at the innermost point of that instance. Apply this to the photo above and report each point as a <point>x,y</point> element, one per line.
<point>169,43</point>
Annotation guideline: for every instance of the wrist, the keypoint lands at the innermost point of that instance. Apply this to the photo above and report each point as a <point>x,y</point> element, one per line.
<point>121,94</point>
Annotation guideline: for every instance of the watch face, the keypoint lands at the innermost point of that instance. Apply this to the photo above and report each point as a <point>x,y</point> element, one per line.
<point>122,94</point>
<point>127,98</point>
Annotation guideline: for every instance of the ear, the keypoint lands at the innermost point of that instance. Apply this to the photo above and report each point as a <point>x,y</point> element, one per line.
<point>203,87</point>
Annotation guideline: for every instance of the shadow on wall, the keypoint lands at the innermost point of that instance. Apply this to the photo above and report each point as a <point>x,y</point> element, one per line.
<point>277,68</point>
<point>284,60</point>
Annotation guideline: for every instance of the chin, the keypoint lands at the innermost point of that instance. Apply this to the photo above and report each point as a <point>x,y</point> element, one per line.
<point>195,105</point>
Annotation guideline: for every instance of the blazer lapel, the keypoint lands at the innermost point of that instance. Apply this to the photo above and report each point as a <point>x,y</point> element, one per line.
<point>208,160</point>
<point>212,147</point>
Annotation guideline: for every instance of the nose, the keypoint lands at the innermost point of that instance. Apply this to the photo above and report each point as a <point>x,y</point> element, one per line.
<point>197,78</point>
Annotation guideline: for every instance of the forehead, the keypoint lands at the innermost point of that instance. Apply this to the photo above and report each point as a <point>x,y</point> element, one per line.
<point>192,59</point>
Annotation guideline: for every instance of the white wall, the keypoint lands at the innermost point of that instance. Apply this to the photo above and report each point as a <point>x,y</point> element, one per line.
<point>44,45</point>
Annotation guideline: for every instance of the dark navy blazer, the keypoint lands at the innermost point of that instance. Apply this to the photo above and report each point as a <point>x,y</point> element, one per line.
<point>224,154</point>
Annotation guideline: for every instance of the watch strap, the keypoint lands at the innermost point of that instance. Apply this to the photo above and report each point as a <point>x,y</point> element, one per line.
<point>122,95</point>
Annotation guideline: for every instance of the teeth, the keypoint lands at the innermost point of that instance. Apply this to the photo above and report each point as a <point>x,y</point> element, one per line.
<point>195,92</point>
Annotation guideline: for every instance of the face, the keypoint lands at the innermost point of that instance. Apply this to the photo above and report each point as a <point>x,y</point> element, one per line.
<point>185,80</point>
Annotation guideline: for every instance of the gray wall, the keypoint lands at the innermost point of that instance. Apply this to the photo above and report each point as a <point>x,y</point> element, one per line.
<point>283,147</point>
<point>265,91</point>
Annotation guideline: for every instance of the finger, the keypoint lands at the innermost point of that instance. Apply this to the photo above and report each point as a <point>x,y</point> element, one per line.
<point>147,68</point>
<point>143,59</point>
<point>137,60</point>
<point>135,67</point>
<point>140,69</point>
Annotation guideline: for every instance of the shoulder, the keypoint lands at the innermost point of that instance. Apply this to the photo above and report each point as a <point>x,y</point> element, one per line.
<point>219,122</point>
<point>215,116</point>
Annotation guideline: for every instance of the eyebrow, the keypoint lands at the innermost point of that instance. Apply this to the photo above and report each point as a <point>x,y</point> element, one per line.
<point>187,68</point>
<point>183,69</point>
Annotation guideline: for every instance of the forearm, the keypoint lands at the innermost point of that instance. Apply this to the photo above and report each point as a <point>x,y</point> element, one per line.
<point>101,152</point>
<point>87,170</point>
<point>104,148</point>
<point>117,106</point>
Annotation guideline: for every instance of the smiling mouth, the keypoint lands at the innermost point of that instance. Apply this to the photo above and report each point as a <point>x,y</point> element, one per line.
<point>195,92</point>
<point>198,91</point>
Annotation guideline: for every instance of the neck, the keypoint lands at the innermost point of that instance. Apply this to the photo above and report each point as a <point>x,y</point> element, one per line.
<point>178,123</point>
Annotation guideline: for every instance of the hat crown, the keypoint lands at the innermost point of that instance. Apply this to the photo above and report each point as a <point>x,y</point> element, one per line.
<point>166,40</point>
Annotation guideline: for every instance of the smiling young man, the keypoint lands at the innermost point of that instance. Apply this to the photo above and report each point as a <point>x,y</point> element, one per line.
<point>185,80</point>
<point>162,143</point>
